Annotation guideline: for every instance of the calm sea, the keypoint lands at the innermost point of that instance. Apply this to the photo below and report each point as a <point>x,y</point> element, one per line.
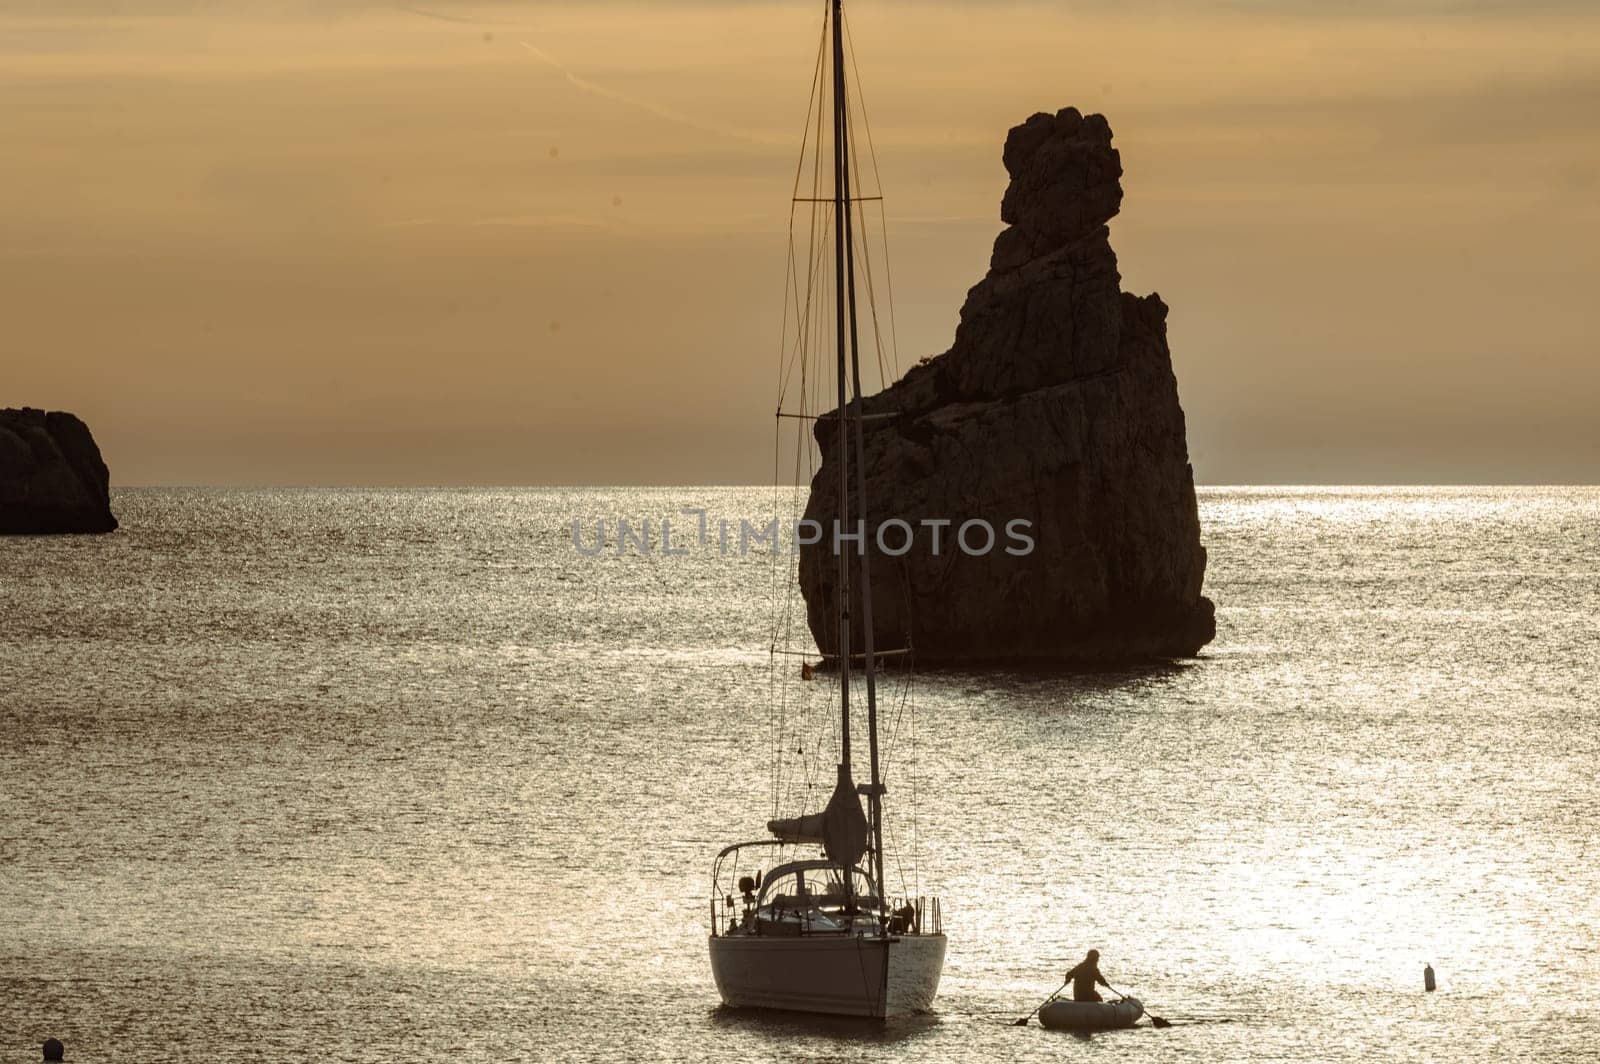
<point>401,776</point>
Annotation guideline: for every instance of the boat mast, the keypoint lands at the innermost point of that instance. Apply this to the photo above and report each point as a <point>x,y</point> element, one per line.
<point>841,199</point>
<point>875,791</point>
<point>845,266</point>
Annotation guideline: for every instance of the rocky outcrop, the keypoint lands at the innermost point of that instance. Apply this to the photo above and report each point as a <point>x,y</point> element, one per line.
<point>1056,405</point>
<point>52,478</point>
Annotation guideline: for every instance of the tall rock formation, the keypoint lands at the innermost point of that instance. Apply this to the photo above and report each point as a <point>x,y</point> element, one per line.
<point>52,478</point>
<point>1056,405</point>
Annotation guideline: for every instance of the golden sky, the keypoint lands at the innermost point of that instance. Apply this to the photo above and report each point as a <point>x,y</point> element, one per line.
<point>346,242</point>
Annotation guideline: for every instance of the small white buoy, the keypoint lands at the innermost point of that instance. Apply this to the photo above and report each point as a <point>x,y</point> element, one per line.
<point>1428,984</point>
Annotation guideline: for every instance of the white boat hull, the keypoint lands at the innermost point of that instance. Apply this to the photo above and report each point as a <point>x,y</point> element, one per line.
<point>1091,1015</point>
<point>842,975</point>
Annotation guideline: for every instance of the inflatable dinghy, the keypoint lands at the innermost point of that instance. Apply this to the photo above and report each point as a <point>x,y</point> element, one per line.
<point>1064,1015</point>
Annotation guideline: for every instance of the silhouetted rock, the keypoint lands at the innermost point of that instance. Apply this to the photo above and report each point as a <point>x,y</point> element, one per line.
<point>52,478</point>
<point>1056,404</point>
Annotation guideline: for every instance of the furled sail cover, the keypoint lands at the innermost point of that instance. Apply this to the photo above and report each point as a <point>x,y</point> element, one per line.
<point>841,828</point>
<point>801,829</point>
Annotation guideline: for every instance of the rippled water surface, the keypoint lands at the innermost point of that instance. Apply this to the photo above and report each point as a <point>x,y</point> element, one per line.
<point>402,776</point>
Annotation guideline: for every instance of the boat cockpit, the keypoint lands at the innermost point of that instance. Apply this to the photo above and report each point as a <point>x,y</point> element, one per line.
<point>809,897</point>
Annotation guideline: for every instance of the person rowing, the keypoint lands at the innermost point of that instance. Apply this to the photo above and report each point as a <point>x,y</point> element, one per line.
<point>1085,976</point>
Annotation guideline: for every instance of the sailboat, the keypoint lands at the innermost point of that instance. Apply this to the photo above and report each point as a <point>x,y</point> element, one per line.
<point>818,932</point>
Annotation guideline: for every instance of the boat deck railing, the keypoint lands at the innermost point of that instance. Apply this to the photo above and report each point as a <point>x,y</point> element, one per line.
<point>920,915</point>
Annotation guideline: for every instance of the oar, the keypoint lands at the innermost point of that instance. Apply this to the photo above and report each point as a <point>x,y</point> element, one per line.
<point>1154,1019</point>
<point>1024,1021</point>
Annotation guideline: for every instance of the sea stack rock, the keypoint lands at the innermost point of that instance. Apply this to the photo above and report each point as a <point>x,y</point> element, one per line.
<point>52,478</point>
<point>1056,405</point>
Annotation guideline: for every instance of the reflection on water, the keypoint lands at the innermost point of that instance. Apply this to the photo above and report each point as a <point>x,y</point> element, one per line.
<point>398,776</point>
<point>791,1027</point>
